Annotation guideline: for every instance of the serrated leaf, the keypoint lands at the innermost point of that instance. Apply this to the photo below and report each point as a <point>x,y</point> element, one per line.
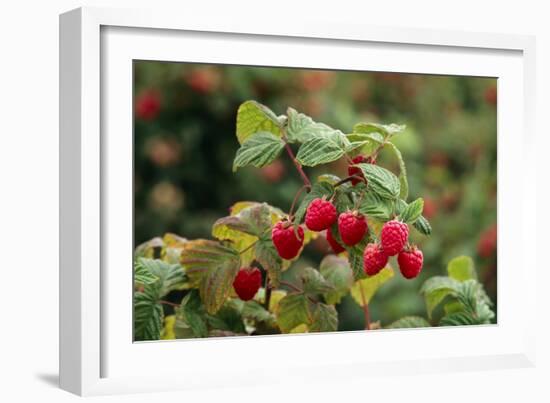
<point>458,319</point>
<point>301,128</point>
<point>403,181</point>
<point>355,257</point>
<point>376,206</point>
<point>148,316</point>
<point>385,130</point>
<point>142,275</point>
<point>190,317</point>
<point>435,289</point>
<point>253,117</point>
<point>314,282</point>
<point>258,150</point>
<point>461,268</point>
<point>363,290</point>
<point>169,276</point>
<point>325,318</point>
<point>336,272</point>
<point>423,226</point>
<point>270,260</point>
<point>409,322</point>
<point>318,190</point>
<point>253,310</point>
<point>413,211</point>
<point>244,227</point>
<point>293,310</point>
<point>322,149</point>
<point>381,181</point>
<point>217,266</point>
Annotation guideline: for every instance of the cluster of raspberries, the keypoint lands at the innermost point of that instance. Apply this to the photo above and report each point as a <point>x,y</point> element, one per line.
<point>352,227</point>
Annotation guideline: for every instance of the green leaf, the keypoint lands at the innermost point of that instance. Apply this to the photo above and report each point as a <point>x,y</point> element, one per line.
<point>293,310</point>
<point>385,130</point>
<point>423,226</point>
<point>254,311</point>
<point>190,317</point>
<point>458,319</point>
<point>270,260</point>
<point>142,275</point>
<point>170,276</point>
<point>355,258</point>
<point>314,282</point>
<point>301,128</point>
<point>413,211</point>
<point>217,266</point>
<point>404,191</point>
<point>363,290</point>
<point>336,272</point>
<point>318,190</point>
<point>244,227</point>
<point>409,322</point>
<point>381,181</point>
<point>253,117</point>
<point>148,316</point>
<point>435,289</point>
<point>329,178</point>
<point>258,150</point>
<point>462,268</point>
<point>376,206</point>
<point>325,318</point>
<point>322,149</point>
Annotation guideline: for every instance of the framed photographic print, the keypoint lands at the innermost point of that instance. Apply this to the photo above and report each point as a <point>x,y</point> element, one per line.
<point>330,195</point>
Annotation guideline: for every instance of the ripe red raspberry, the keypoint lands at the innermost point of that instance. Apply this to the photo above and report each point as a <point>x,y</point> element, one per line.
<point>394,237</point>
<point>148,105</point>
<point>285,240</point>
<point>352,227</point>
<point>374,259</point>
<point>410,262</point>
<point>247,283</point>
<point>336,247</point>
<point>320,215</point>
<point>355,170</point>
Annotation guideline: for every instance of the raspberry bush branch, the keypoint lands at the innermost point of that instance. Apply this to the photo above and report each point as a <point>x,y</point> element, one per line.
<point>365,218</point>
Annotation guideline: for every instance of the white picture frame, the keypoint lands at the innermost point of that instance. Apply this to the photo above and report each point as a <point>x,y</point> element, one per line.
<point>96,354</point>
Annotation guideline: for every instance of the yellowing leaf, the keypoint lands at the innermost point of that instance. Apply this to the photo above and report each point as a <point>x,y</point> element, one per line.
<point>300,329</point>
<point>363,290</point>
<point>168,332</point>
<point>253,117</point>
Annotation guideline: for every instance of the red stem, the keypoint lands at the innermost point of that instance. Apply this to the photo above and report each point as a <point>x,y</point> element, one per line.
<point>297,165</point>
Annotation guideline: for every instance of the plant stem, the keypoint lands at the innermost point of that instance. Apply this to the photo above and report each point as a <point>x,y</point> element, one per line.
<point>365,307</point>
<point>169,303</point>
<point>267,288</point>
<point>297,164</point>
<point>349,178</point>
<point>290,285</point>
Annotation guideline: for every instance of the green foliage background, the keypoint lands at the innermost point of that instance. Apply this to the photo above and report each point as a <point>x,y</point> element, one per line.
<point>185,144</point>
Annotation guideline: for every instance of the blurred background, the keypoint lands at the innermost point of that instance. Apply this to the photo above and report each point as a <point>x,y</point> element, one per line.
<point>185,143</point>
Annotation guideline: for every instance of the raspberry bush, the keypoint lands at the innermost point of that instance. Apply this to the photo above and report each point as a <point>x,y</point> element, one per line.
<point>232,284</point>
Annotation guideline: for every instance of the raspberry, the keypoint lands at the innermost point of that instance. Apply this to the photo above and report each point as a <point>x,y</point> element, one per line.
<point>285,240</point>
<point>320,215</point>
<point>394,237</point>
<point>355,170</point>
<point>410,262</point>
<point>336,247</point>
<point>374,259</point>
<point>352,227</point>
<point>148,105</point>
<point>247,283</point>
